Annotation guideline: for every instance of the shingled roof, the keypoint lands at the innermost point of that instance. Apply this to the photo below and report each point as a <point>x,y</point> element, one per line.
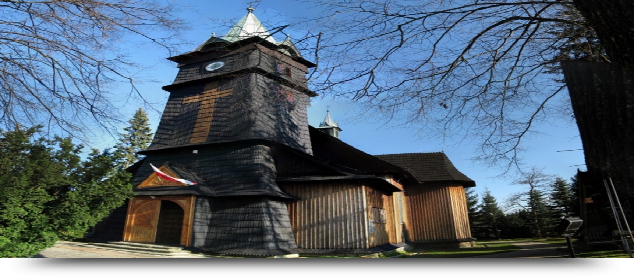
<point>429,167</point>
<point>335,151</point>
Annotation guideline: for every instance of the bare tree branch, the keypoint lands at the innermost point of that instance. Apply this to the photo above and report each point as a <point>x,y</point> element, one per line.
<point>61,59</point>
<point>474,70</point>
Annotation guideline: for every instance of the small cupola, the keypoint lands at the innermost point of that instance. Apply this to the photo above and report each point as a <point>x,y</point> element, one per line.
<point>329,126</point>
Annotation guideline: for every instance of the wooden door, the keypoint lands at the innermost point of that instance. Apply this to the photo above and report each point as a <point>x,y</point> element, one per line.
<point>143,218</point>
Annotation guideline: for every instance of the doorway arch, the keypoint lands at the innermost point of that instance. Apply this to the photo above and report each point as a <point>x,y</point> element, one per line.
<point>143,219</point>
<point>170,223</point>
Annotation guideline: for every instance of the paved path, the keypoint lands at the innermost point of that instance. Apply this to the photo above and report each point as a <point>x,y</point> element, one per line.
<point>65,249</point>
<point>533,250</point>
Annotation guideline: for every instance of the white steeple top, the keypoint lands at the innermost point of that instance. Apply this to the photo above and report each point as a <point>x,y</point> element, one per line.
<point>249,26</point>
<point>328,122</point>
<point>329,126</point>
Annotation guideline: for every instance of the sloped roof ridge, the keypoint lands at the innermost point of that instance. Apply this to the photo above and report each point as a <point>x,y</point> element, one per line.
<point>410,153</point>
<point>427,167</point>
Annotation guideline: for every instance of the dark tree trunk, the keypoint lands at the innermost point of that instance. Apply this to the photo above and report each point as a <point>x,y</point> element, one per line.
<point>613,21</point>
<point>602,94</point>
<point>602,98</point>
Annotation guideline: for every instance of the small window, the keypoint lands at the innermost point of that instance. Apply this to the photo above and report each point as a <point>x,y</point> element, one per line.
<point>378,215</point>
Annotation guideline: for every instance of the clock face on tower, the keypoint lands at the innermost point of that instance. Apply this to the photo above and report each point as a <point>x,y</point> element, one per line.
<point>213,66</point>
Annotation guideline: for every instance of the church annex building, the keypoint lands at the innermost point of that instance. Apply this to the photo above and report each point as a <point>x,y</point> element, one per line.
<point>251,177</point>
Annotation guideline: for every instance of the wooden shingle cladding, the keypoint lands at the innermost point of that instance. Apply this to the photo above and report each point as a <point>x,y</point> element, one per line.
<point>111,228</point>
<point>243,226</point>
<point>429,167</point>
<point>239,208</point>
<point>225,169</point>
<point>224,49</point>
<point>436,213</point>
<point>258,107</point>
<point>250,58</point>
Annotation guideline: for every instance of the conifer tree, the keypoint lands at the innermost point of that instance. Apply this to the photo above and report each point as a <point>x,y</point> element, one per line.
<point>533,202</point>
<point>562,196</point>
<point>137,137</point>
<point>48,193</point>
<point>490,213</point>
<point>540,215</point>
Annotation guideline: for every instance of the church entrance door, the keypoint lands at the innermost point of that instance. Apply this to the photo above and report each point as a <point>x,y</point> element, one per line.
<point>160,219</point>
<point>170,223</point>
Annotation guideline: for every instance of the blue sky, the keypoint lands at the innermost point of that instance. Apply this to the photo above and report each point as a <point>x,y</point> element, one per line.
<point>365,132</point>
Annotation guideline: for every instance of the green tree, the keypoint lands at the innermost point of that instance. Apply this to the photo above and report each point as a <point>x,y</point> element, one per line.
<point>576,194</point>
<point>47,193</point>
<point>562,197</point>
<point>533,202</point>
<point>490,214</point>
<point>137,137</point>
<point>515,225</point>
<point>541,217</point>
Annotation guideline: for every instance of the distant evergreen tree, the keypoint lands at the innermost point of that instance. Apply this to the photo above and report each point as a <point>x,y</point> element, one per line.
<point>540,214</point>
<point>515,225</point>
<point>47,193</point>
<point>540,217</point>
<point>137,137</point>
<point>562,197</point>
<point>490,214</point>
<point>576,194</point>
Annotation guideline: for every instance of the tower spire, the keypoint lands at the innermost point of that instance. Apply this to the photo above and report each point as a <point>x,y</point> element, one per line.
<point>329,126</point>
<point>249,26</point>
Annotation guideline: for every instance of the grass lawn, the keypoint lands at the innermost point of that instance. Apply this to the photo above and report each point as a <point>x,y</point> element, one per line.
<point>481,248</point>
<point>494,247</point>
<point>487,247</point>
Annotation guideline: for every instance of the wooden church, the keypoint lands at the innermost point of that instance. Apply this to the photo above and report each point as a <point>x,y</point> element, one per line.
<point>264,181</point>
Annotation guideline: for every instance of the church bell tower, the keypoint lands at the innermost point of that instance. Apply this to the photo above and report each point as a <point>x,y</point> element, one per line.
<point>239,87</point>
<point>235,101</point>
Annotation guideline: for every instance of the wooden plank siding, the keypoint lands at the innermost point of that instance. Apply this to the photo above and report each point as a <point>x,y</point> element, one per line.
<point>460,212</point>
<point>397,212</point>
<point>377,199</point>
<point>328,216</point>
<point>399,217</point>
<point>430,216</point>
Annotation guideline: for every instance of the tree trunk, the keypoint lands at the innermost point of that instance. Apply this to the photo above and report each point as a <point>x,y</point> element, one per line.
<point>602,98</point>
<point>613,21</point>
